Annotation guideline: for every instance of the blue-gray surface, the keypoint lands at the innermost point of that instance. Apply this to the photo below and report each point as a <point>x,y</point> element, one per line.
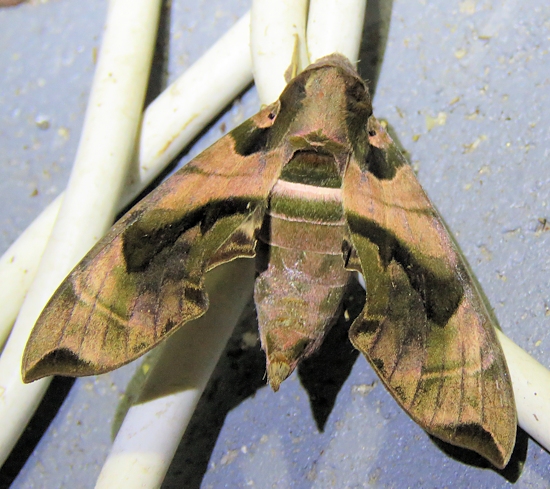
<point>465,85</point>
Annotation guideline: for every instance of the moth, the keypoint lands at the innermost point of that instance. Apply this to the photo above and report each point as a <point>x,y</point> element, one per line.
<point>314,188</point>
<point>10,3</point>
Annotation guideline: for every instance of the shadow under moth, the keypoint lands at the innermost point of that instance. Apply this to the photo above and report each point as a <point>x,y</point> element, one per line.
<point>314,188</point>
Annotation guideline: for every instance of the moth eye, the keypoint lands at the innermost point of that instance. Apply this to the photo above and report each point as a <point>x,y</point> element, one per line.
<point>356,91</point>
<point>372,133</point>
<point>273,113</point>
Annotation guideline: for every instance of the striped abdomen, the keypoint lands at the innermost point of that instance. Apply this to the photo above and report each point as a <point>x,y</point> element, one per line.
<point>302,276</point>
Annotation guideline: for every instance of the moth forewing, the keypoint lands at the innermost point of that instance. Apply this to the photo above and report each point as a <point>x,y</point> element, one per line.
<point>145,277</point>
<point>424,328</point>
<point>315,188</point>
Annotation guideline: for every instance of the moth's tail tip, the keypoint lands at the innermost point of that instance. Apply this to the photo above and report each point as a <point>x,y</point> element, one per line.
<point>277,372</point>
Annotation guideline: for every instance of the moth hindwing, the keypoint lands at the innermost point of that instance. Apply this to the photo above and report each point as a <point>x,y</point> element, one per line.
<point>315,189</point>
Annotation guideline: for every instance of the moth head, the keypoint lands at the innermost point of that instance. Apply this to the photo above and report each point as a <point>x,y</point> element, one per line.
<point>321,105</point>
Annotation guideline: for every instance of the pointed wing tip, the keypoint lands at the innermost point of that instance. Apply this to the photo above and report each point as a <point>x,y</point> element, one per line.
<point>30,373</point>
<point>57,362</point>
<point>28,376</point>
<point>495,447</point>
<point>497,455</point>
<point>501,451</point>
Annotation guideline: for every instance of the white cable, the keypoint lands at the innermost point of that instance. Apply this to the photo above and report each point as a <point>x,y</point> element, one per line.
<point>277,44</point>
<point>335,26</point>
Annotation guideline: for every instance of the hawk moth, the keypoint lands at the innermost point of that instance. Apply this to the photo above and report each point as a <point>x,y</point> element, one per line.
<point>314,188</point>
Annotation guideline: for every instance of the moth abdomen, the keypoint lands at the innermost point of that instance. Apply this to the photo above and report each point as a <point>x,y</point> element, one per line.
<point>302,277</point>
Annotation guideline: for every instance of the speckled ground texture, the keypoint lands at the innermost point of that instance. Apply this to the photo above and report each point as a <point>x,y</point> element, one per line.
<point>466,87</point>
